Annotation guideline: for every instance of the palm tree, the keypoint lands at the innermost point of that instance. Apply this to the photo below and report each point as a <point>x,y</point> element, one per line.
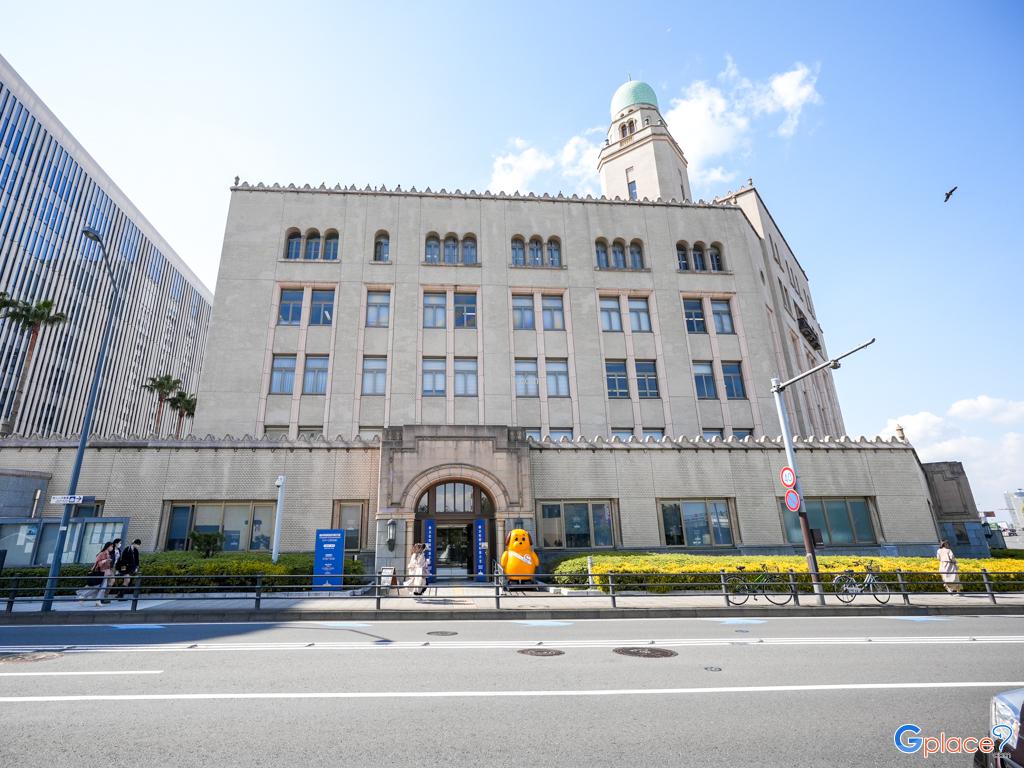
<point>30,318</point>
<point>164,386</point>
<point>185,405</point>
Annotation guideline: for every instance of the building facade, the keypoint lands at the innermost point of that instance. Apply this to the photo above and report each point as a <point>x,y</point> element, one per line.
<point>444,366</point>
<point>1015,508</point>
<point>50,188</point>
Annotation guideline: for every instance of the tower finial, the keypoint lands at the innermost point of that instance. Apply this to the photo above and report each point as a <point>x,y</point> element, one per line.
<point>628,77</point>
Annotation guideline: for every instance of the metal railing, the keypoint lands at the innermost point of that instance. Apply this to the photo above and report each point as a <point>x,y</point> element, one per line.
<point>733,588</point>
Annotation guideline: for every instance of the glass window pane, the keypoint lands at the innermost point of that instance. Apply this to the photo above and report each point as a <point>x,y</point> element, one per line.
<point>839,521</point>
<point>322,308</point>
<point>554,318</point>
<point>611,319</point>
<point>695,519</point>
<point>816,518</point>
<point>792,524</point>
<point>518,252</point>
<point>558,378</point>
<point>177,527</point>
<point>19,539</point>
<point>673,523</point>
<point>862,526</point>
<point>208,518</point>
<point>577,525</point>
<point>639,315</point>
<point>526,378</point>
<point>602,525</point>
<point>236,526</point>
<point>351,521</point>
<point>551,525</point>
<point>720,522</point>
<point>262,527</point>
<point>434,309</point>
<point>522,313</point>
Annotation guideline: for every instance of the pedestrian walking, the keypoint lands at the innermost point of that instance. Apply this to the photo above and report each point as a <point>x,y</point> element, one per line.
<point>127,567</point>
<point>416,572</point>
<point>948,569</point>
<point>96,581</point>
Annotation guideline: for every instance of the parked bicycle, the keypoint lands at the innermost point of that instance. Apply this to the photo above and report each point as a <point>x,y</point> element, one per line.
<point>846,587</point>
<point>773,586</point>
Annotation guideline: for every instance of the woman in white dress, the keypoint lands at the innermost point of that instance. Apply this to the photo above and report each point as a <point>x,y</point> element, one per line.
<point>948,568</point>
<point>416,573</point>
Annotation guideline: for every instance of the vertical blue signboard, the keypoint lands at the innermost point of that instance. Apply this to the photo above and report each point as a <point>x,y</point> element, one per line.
<point>329,558</point>
<point>480,548</point>
<point>428,539</point>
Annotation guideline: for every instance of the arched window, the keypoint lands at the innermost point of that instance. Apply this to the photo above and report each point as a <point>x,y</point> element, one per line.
<point>294,247</point>
<point>601,249</point>
<point>683,256</point>
<point>715,258</point>
<point>536,252</point>
<point>636,255</point>
<point>554,252</point>
<point>331,246</point>
<point>381,247</point>
<point>312,245</point>
<point>698,258</point>
<point>622,131</point>
<point>469,250</point>
<point>451,250</point>
<point>632,127</point>
<point>618,255</point>
<point>432,253</point>
<point>518,252</point>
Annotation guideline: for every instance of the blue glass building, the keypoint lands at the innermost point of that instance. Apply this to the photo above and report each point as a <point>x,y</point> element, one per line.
<point>50,188</point>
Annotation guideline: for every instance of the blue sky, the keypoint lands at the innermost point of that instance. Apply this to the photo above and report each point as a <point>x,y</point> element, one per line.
<point>852,120</point>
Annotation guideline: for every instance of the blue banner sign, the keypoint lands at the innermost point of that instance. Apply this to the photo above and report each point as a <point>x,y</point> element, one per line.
<point>329,558</point>
<point>429,539</point>
<point>480,548</point>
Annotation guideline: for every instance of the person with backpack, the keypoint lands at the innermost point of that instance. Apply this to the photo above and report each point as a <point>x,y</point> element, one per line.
<point>128,567</point>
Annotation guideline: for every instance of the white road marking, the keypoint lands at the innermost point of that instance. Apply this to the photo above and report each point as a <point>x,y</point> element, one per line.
<point>506,693</point>
<point>435,645</point>
<point>71,674</point>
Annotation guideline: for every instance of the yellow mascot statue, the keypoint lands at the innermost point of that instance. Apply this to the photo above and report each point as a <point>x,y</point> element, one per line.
<point>519,561</point>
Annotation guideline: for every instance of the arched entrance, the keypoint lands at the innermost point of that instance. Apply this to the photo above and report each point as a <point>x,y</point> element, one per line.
<point>455,519</point>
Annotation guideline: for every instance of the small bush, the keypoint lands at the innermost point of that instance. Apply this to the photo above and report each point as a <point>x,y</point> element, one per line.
<point>206,543</point>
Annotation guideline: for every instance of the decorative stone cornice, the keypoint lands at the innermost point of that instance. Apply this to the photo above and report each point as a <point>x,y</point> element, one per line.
<point>191,442</point>
<point>845,442</point>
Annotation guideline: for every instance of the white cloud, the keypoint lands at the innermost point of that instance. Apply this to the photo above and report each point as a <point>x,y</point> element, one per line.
<point>575,163</point>
<point>514,171</point>
<point>971,432</point>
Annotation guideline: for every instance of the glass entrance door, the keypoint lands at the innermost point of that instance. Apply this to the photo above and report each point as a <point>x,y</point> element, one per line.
<point>452,553</point>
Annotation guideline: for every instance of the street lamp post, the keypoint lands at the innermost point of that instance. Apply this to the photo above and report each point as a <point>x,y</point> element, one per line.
<point>787,440</point>
<point>62,530</point>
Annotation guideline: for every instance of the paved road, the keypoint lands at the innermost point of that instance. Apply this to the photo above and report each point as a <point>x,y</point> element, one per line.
<point>761,692</point>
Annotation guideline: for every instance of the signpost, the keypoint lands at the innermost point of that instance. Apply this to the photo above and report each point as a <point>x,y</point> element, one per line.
<point>792,500</point>
<point>329,559</point>
<point>788,477</point>
<point>480,539</point>
<point>429,537</point>
<point>63,500</point>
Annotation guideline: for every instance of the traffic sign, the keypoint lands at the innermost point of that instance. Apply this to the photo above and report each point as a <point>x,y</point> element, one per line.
<point>788,477</point>
<point>67,499</point>
<point>792,500</point>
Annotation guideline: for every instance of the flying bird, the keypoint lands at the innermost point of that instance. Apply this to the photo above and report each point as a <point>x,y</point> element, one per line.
<point>949,194</point>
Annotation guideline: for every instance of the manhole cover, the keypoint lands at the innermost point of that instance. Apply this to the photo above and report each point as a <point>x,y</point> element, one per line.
<point>646,653</point>
<point>21,658</point>
<point>712,669</point>
<point>442,633</point>
<point>541,652</point>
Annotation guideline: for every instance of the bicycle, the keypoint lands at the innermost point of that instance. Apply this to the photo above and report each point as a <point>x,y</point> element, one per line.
<point>773,586</point>
<point>846,587</point>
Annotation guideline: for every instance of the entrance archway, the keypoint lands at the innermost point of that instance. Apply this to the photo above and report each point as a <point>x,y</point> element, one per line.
<point>455,519</point>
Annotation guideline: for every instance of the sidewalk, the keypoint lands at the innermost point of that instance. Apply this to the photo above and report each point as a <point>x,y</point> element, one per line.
<point>476,602</point>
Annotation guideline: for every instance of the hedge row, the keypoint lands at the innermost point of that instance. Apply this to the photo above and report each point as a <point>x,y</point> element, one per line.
<point>163,569</point>
<point>655,572</point>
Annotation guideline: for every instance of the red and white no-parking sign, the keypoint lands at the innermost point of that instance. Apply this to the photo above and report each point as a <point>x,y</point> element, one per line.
<point>792,500</point>
<point>787,476</point>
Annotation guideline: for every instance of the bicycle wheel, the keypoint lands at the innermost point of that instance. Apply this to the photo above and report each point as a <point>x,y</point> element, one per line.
<point>737,592</point>
<point>776,590</point>
<point>881,591</point>
<point>845,587</point>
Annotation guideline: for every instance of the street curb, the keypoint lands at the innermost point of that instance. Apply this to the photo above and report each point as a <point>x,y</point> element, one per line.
<point>270,615</point>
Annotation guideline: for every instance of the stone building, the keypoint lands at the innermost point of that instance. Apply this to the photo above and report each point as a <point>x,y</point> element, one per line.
<point>443,366</point>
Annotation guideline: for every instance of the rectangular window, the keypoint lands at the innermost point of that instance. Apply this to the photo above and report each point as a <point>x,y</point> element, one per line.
<point>465,310</point>
<point>314,377</point>
<point>732,373</point>
<point>533,434</point>
<point>704,380</point>
<point>693,311</point>
<point>322,308</point>
<point>290,310</point>
<point>465,377</point>
<point>696,523</point>
<point>522,313</point>
<point>558,378</point>
<point>841,521</point>
<point>246,526</point>
<point>433,376</point>
<point>622,434</point>
<point>434,310</point>
<point>576,525</point>
<point>375,374</point>
<point>378,309</point>
<point>739,434</point>
<point>282,375</point>
<point>708,434</point>
<point>639,316</point>
<point>722,314</point>
<point>350,518</point>
<point>557,435</point>
<point>654,434</point>
<point>631,188</point>
<point>647,379</point>
<point>618,381</point>
<point>611,319</point>
<point>526,378</point>
<point>554,316</point>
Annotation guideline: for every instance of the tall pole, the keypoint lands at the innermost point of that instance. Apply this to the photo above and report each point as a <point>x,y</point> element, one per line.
<point>277,519</point>
<point>90,406</point>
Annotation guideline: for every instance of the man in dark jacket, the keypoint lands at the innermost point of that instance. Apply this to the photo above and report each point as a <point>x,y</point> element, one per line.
<point>128,566</point>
